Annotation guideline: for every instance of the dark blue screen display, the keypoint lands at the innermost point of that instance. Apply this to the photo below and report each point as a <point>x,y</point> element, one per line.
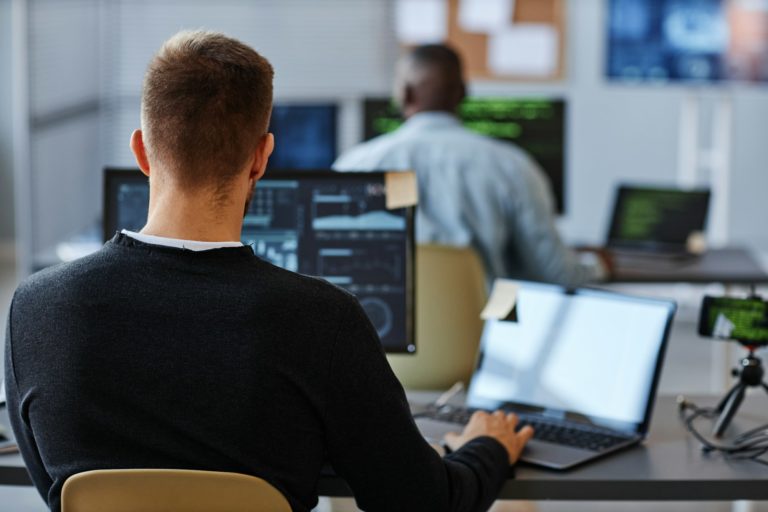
<point>305,136</point>
<point>687,40</point>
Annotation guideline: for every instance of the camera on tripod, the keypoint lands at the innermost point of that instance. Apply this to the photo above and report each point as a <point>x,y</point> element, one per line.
<point>744,321</point>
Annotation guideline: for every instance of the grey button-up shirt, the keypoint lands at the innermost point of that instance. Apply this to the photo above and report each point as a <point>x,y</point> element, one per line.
<point>474,190</point>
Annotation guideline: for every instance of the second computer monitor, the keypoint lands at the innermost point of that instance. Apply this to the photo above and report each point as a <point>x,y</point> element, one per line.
<point>320,223</point>
<point>337,226</point>
<point>305,136</point>
<point>535,125</point>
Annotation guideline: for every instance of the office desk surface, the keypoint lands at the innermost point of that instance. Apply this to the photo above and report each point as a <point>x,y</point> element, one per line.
<point>728,266</point>
<point>669,466</point>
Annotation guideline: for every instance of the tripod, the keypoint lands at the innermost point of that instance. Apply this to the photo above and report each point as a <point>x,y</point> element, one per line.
<point>750,374</point>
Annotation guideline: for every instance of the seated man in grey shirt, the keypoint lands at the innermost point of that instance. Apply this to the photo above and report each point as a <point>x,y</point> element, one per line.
<point>177,347</point>
<point>473,190</point>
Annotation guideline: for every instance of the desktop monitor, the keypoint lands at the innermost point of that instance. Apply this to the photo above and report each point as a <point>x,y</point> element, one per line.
<point>535,125</point>
<point>305,136</point>
<point>657,219</point>
<point>321,223</point>
<point>687,40</point>
<point>126,201</point>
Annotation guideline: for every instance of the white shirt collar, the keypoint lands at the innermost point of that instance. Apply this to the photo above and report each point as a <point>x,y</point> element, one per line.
<point>436,118</point>
<point>191,245</point>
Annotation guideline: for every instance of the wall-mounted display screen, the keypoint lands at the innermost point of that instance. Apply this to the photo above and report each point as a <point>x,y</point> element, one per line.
<point>687,40</point>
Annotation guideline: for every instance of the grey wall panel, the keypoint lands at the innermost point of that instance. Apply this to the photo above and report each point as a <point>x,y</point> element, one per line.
<point>64,55</point>
<point>749,186</point>
<point>66,181</point>
<point>6,157</point>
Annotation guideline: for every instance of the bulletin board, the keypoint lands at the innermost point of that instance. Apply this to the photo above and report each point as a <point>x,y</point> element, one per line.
<point>540,22</point>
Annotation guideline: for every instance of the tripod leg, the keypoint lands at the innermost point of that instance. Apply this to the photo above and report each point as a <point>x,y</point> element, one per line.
<point>728,397</point>
<point>732,405</point>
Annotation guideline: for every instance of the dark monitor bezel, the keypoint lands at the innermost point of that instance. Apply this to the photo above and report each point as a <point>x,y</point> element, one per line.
<point>640,428</point>
<point>113,176</point>
<point>612,239</point>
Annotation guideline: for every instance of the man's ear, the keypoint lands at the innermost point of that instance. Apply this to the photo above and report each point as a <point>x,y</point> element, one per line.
<point>139,151</point>
<point>261,157</point>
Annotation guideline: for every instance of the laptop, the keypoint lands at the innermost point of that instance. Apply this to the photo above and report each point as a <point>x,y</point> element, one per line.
<point>650,221</point>
<point>580,366</point>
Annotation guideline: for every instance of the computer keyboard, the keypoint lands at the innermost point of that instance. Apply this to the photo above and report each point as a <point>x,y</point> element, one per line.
<point>567,434</point>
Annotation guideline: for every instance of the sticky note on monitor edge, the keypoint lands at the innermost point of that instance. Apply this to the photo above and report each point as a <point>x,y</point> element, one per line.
<point>402,189</point>
<point>502,304</point>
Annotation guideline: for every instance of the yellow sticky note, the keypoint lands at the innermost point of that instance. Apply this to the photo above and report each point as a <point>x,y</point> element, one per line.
<point>402,189</point>
<point>503,301</point>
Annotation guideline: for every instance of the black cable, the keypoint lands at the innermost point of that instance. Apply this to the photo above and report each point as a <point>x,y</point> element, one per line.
<point>750,445</point>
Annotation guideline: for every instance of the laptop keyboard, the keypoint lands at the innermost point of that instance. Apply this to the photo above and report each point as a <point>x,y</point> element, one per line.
<point>584,437</point>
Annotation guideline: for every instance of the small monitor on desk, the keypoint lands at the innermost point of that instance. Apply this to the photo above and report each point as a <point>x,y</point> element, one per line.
<point>657,219</point>
<point>305,136</point>
<point>535,125</point>
<point>321,223</point>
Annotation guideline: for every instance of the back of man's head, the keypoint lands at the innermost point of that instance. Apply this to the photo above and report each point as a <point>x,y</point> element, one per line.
<point>430,77</point>
<point>206,104</point>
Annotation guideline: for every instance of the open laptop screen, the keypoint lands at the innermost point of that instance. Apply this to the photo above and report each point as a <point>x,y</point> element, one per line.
<point>657,219</point>
<point>586,353</point>
<point>320,223</point>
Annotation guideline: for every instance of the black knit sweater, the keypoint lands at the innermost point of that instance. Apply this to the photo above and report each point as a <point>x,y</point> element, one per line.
<point>149,356</point>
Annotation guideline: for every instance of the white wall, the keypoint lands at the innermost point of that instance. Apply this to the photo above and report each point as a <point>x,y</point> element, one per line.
<point>6,159</point>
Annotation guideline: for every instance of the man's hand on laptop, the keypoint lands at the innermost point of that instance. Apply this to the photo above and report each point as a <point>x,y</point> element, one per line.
<point>498,425</point>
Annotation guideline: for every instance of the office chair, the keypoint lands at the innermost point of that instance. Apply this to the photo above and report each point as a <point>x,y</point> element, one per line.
<point>450,294</point>
<point>169,490</point>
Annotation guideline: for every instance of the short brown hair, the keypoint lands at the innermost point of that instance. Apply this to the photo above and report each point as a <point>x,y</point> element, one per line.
<point>206,103</point>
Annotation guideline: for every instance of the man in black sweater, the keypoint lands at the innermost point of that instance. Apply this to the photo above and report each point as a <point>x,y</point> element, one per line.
<point>176,347</point>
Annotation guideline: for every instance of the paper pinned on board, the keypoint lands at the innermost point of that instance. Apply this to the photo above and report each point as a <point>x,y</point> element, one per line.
<point>421,21</point>
<point>502,304</point>
<point>524,49</point>
<point>402,189</point>
<point>485,16</point>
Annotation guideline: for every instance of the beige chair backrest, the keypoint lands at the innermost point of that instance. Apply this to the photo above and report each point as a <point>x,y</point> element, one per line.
<point>450,294</point>
<point>169,490</point>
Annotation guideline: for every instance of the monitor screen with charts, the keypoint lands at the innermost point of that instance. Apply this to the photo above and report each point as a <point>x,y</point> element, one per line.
<point>535,125</point>
<point>657,219</point>
<point>320,223</point>
<point>590,353</point>
<point>700,41</point>
<point>305,136</point>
